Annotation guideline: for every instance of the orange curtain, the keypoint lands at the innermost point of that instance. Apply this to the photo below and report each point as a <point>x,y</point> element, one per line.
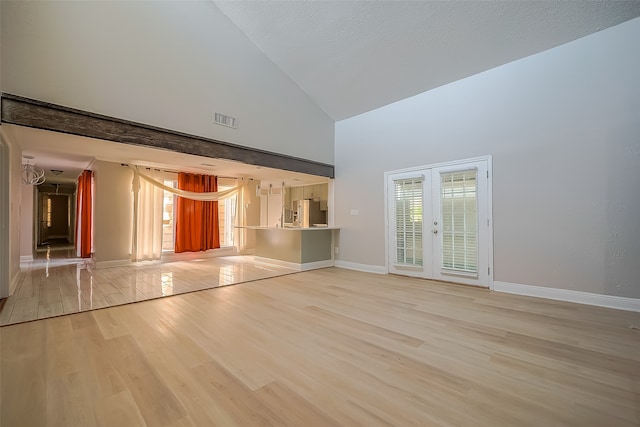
<point>84,214</point>
<point>196,221</point>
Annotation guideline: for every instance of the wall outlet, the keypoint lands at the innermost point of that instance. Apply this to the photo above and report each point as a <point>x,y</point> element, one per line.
<point>337,250</point>
<point>355,212</point>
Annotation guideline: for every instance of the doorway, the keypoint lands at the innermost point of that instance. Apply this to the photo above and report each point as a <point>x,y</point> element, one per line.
<point>439,223</point>
<point>55,219</point>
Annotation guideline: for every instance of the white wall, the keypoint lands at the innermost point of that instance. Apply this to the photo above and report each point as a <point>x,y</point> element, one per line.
<point>5,262</point>
<point>563,127</point>
<point>11,229</point>
<point>168,64</point>
<point>113,213</point>
<point>4,178</point>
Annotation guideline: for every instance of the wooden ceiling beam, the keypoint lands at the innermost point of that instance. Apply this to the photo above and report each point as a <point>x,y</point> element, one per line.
<point>42,115</point>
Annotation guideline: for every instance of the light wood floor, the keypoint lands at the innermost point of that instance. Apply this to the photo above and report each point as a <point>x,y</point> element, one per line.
<point>323,348</point>
<point>55,283</point>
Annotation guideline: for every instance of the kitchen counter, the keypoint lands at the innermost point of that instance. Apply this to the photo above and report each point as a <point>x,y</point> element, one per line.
<point>295,247</point>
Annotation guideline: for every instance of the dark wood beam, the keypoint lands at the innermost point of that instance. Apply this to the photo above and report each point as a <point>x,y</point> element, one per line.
<point>42,115</point>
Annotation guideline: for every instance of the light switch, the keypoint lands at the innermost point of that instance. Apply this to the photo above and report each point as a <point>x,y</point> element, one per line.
<point>355,212</point>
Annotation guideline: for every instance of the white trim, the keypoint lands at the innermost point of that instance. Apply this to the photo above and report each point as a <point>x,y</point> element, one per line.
<point>490,217</point>
<point>460,273</point>
<point>5,279</point>
<point>489,161</point>
<point>377,269</point>
<point>317,264</point>
<point>26,259</point>
<point>408,267</point>
<point>112,263</point>
<point>609,301</point>
<point>440,165</point>
<point>186,256</point>
<point>295,266</point>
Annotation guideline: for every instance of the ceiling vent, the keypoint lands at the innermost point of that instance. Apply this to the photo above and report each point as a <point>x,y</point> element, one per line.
<point>224,120</point>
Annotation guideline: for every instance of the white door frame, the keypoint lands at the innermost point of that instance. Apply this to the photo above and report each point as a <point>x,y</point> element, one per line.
<point>406,270</point>
<point>416,169</point>
<point>5,277</point>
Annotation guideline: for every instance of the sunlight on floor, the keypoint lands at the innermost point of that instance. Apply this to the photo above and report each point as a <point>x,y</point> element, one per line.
<point>53,285</point>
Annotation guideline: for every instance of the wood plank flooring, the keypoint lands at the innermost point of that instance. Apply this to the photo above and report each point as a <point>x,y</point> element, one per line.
<point>55,286</point>
<point>328,347</point>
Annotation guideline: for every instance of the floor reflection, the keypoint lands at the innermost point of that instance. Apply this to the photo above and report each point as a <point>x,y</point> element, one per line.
<point>57,283</point>
<point>226,275</point>
<point>166,282</point>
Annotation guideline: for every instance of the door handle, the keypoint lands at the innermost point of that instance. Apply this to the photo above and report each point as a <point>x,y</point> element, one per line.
<point>435,231</point>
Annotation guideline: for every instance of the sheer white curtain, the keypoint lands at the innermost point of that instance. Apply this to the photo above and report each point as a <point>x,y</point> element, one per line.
<point>148,187</point>
<point>147,224</point>
<point>242,201</point>
<point>140,176</point>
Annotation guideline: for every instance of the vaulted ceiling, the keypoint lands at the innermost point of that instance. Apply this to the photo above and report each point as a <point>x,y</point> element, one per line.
<point>354,56</point>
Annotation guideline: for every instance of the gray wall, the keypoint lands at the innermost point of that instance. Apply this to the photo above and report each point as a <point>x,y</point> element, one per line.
<point>169,64</point>
<point>563,127</point>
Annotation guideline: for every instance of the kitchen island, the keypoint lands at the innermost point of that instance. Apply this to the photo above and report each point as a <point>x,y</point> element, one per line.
<point>299,248</point>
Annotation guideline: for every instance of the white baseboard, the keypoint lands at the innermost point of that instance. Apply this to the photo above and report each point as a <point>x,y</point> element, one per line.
<point>377,269</point>
<point>26,258</point>
<point>113,263</point>
<point>187,256</point>
<point>250,251</point>
<point>295,266</point>
<point>317,264</point>
<point>609,301</point>
<point>170,257</point>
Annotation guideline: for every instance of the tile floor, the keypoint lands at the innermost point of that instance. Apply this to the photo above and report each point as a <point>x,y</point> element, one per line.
<point>55,283</point>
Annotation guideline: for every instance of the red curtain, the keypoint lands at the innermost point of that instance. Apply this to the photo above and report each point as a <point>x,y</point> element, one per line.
<point>196,221</point>
<point>84,214</point>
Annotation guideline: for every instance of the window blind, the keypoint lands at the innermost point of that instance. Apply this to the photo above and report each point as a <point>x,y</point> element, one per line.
<point>459,205</point>
<point>408,221</point>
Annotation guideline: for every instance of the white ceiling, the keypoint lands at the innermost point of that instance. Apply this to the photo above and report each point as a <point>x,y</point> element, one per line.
<point>354,56</point>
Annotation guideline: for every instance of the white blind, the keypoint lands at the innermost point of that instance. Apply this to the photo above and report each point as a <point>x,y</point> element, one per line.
<point>459,202</point>
<point>408,220</point>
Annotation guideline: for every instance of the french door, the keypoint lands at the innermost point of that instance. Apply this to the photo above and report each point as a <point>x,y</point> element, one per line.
<point>439,224</point>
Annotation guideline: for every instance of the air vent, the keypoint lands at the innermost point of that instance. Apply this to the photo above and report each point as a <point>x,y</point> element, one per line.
<point>224,120</point>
